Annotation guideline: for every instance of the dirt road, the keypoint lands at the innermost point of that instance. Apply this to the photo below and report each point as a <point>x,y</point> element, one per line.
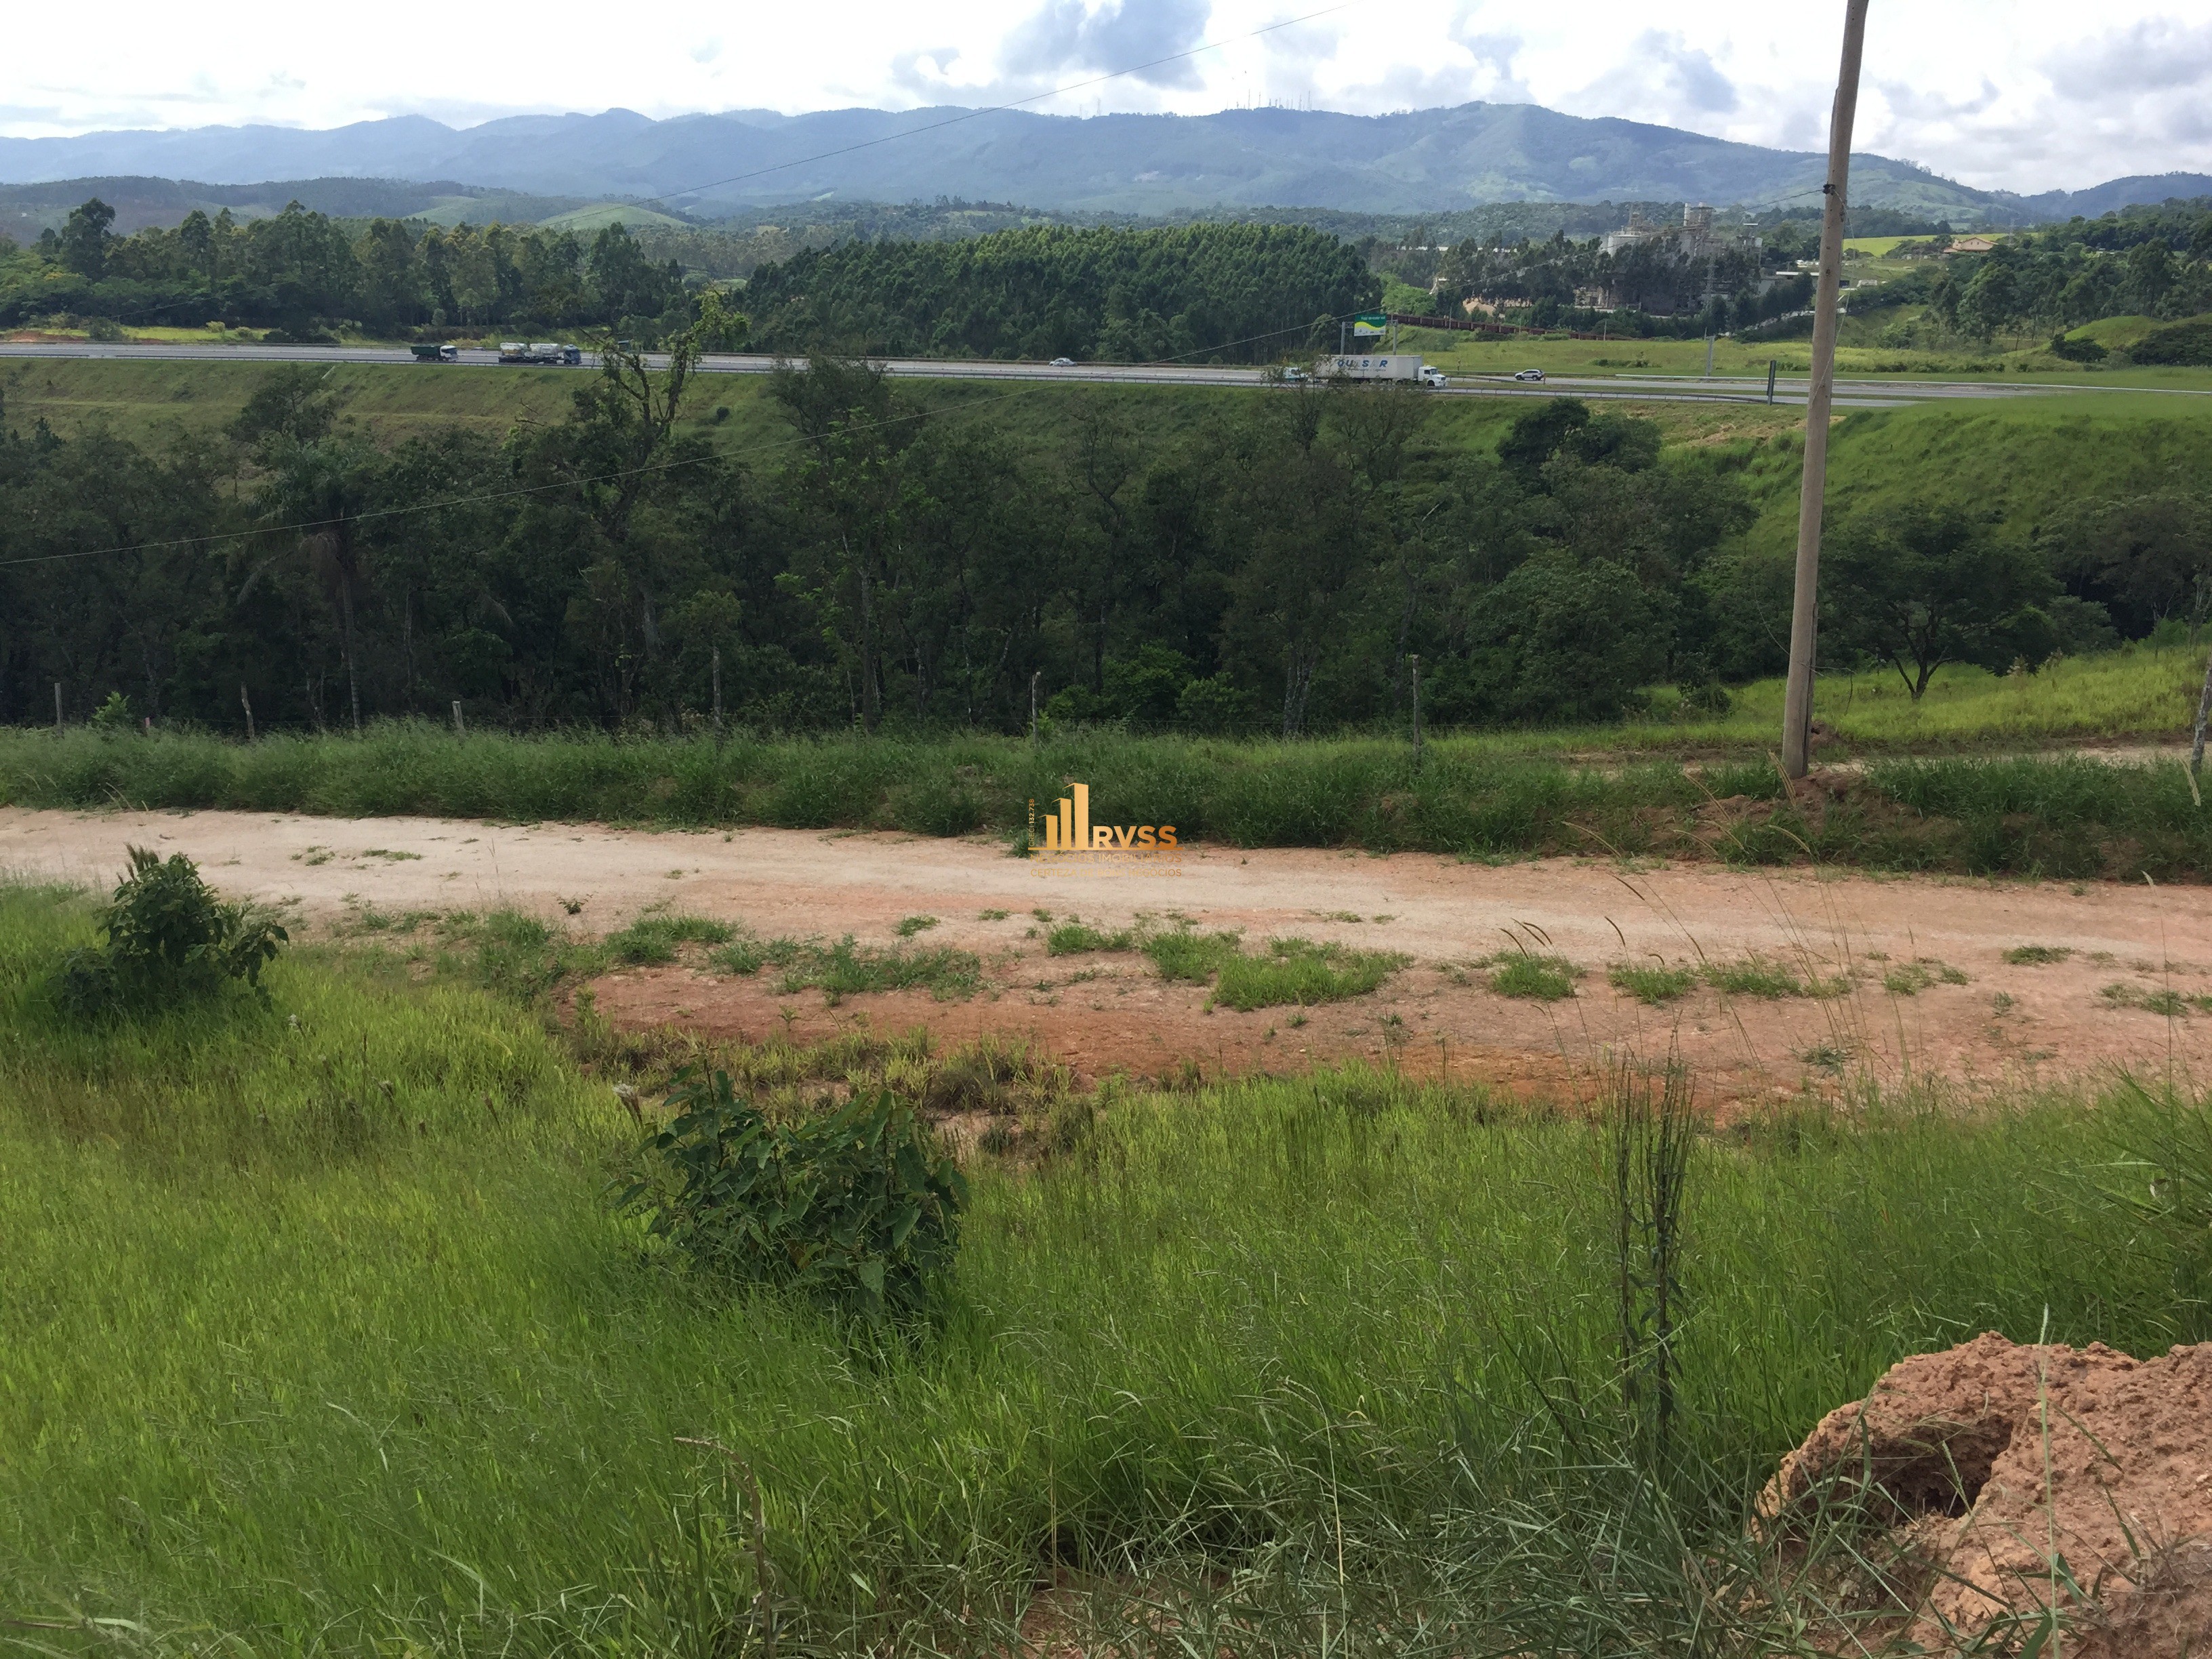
<point>1902,944</point>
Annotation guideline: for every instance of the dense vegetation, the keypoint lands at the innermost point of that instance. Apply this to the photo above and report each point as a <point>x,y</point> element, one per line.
<point>1276,566</point>
<point>303,273</point>
<point>1653,287</point>
<point>1241,293</point>
<point>321,1332</point>
<point>2073,819</point>
<point>2148,263</point>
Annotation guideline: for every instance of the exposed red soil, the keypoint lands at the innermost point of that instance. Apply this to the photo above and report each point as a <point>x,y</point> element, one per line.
<point>2007,1026</point>
<point>2045,1455</point>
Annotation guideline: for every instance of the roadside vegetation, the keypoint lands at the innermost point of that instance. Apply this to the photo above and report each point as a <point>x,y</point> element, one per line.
<point>2071,817</point>
<point>401,1366</point>
<point>1231,564</point>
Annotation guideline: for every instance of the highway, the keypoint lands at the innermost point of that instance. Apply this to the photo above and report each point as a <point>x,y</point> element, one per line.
<point>1850,393</point>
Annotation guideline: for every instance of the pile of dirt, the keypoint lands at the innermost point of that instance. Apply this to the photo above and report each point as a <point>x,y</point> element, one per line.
<point>2032,1478</point>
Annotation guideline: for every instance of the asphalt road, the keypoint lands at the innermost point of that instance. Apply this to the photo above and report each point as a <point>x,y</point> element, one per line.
<point>1850,393</point>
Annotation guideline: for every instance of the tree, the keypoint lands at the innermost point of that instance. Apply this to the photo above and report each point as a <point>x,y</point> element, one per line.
<point>1564,639</point>
<point>1991,300</point>
<point>319,494</point>
<point>84,238</point>
<point>2145,557</point>
<point>1918,587</point>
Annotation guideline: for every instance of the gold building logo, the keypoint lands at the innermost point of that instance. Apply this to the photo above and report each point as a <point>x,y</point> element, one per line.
<point>1068,829</point>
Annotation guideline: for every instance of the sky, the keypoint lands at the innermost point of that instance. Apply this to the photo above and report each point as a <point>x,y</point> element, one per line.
<point>2028,94</point>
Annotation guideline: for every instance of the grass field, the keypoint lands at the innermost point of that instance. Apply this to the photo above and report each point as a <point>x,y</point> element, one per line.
<point>318,1333</point>
<point>1943,786</point>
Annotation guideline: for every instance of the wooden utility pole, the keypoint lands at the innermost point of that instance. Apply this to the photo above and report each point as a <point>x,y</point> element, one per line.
<point>718,696</point>
<point>460,729</point>
<point>1034,676</point>
<point>58,705</point>
<point>246,703</point>
<point>1805,611</point>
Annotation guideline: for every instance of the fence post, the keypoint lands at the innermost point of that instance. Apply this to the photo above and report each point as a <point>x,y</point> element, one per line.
<point>2196,747</point>
<point>246,703</point>
<point>1417,713</point>
<point>459,730</point>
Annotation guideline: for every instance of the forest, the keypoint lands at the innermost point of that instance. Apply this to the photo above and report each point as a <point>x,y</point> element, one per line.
<point>304,274</point>
<point>1237,292</point>
<point>1278,567</point>
<point>2154,262</point>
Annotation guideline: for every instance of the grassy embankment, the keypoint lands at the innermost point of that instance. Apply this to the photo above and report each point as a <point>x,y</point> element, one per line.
<point>1495,795</point>
<point>316,1333</point>
<point>1859,353</point>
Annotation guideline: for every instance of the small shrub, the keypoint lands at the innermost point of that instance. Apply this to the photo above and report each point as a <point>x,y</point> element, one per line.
<point>655,938</point>
<point>115,714</point>
<point>1298,971</point>
<point>2168,1002</point>
<point>1546,979</point>
<point>855,1212</point>
<point>2036,956</point>
<point>750,956</point>
<point>1910,979</point>
<point>912,925</point>
<point>845,968</point>
<point>1187,954</point>
<point>1755,977</point>
<point>1075,936</point>
<point>169,937</point>
<point>1652,985</point>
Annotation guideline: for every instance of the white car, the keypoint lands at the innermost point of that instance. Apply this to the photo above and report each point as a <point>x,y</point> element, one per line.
<point>1530,374</point>
<point>1063,363</point>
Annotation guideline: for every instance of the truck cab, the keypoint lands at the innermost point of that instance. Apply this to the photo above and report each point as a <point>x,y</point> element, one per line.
<point>429,353</point>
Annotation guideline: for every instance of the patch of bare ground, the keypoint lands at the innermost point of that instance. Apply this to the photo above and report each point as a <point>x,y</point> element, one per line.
<point>2024,1485</point>
<point>1773,983</point>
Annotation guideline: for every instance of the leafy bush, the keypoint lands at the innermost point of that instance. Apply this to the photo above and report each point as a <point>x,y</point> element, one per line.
<point>655,938</point>
<point>1296,970</point>
<point>1652,985</point>
<point>169,937</point>
<point>854,1212</point>
<point>1076,936</point>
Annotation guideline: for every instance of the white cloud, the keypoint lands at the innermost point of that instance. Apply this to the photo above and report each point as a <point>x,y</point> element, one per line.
<point>2029,95</point>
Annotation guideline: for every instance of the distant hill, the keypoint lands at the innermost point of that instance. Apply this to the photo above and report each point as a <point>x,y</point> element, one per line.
<point>1416,162</point>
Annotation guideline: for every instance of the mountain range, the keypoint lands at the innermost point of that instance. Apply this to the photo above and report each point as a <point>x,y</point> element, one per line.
<point>709,166</point>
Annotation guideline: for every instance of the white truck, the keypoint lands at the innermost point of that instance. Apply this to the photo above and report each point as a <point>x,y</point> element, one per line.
<point>539,351</point>
<point>1391,366</point>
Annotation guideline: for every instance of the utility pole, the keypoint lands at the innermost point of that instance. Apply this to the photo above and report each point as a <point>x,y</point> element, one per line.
<point>246,703</point>
<point>460,730</point>
<point>57,708</point>
<point>1036,675</point>
<point>1805,611</point>
<point>717,697</point>
<point>1773,368</point>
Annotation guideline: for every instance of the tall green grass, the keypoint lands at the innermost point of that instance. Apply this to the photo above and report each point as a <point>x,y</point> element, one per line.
<point>290,1362</point>
<point>2059,817</point>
